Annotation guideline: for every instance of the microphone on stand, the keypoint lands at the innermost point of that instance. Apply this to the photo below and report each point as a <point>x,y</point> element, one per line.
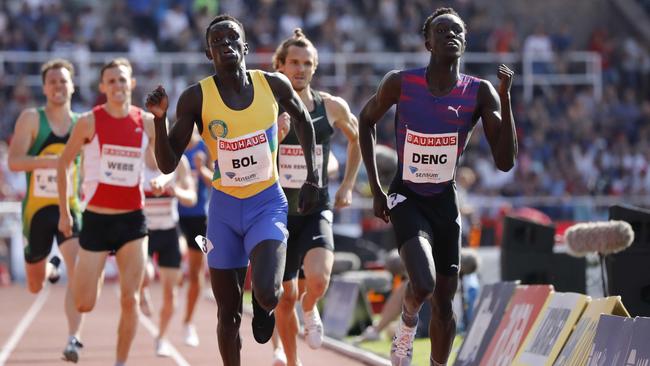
<point>604,238</point>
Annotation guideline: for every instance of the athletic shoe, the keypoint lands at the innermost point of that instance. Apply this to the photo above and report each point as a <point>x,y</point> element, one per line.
<point>313,326</point>
<point>162,348</point>
<point>191,338</point>
<point>401,350</point>
<point>71,351</point>
<point>263,323</point>
<point>54,275</point>
<point>369,334</point>
<point>279,358</point>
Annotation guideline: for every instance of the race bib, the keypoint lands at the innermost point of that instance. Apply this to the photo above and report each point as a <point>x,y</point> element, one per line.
<point>429,158</point>
<point>161,213</point>
<point>45,184</point>
<point>245,160</point>
<point>120,165</point>
<point>293,170</point>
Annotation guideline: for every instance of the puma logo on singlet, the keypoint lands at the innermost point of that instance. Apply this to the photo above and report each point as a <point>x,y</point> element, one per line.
<point>450,108</point>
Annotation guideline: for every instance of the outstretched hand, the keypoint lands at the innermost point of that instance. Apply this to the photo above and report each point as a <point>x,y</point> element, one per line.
<point>158,102</point>
<point>505,76</point>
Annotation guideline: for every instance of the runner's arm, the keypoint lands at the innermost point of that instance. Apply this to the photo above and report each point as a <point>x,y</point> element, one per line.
<point>344,120</point>
<point>81,134</point>
<point>303,126</point>
<point>185,187</point>
<point>387,95</point>
<point>169,148</point>
<point>498,121</point>
<point>23,138</point>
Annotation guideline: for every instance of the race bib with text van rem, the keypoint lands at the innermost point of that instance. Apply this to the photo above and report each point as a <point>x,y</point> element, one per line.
<point>293,170</point>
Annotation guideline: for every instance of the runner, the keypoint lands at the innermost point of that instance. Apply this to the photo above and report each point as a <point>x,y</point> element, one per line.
<point>437,109</point>
<point>193,222</point>
<point>162,195</point>
<point>114,137</point>
<point>236,111</point>
<point>311,241</point>
<point>39,137</point>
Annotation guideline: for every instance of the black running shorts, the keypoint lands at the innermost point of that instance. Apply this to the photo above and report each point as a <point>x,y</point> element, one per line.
<point>305,233</point>
<point>104,232</point>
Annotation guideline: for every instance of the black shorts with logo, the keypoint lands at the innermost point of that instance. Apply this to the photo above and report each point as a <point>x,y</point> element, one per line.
<point>165,244</point>
<point>109,232</point>
<point>191,226</point>
<point>305,233</point>
<point>43,228</point>
<point>434,218</point>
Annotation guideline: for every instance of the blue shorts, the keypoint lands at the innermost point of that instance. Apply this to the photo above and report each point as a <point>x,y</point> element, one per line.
<point>236,226</point>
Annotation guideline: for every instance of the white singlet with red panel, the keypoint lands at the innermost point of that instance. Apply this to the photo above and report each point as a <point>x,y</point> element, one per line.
<point>161,211</point>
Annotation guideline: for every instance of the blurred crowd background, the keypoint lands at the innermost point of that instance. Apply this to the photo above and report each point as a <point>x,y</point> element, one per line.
<point>570,142</point>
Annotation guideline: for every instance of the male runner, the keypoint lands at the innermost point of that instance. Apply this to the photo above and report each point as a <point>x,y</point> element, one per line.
<point>163,194</point>
<point>114,137</point>
<point>437,109</point>
<point>311,241</point>
<point>193,222</point>
<point>39,137</point>
<point>236,111</point>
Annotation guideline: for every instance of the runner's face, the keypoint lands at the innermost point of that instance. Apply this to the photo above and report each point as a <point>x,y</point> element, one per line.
<point>299,66</point>
<point>58,86</point>
<point>446,36</point>
<point>117,83</point>
<point>226,44</point>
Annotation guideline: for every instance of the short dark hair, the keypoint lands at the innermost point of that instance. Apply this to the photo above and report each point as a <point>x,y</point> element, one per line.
<point>57,63</point>
<point>438,12</point>
<point>120,61</point>
<point>222,18</point>
<point>299,40</point>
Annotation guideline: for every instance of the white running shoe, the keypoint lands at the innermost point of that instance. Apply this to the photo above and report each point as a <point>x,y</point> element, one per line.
<point>279,358</point>
<point>369,334</point>
<point>313,326</point>
<point>401,350</point>
<point>191,337</point>
<point>162,348</point>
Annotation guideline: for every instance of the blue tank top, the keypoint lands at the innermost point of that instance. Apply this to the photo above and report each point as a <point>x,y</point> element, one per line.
<point>432,132</point>
<point>199,209</point>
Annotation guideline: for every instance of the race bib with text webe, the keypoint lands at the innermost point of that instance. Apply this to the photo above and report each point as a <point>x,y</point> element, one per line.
<point>45,184</point>
<point>120,165</point>
<point>429,158</point>
<point>245,160</point>
<point>293,170</point>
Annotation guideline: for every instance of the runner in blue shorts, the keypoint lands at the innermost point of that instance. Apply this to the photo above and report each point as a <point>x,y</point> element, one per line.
<point>236,111</point>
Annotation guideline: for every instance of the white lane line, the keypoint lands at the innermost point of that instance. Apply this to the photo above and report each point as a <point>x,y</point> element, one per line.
<point>20,329</point>
<point>153,330</point>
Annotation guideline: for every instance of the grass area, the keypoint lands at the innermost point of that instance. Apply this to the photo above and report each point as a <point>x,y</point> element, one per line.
<point>421,349</point>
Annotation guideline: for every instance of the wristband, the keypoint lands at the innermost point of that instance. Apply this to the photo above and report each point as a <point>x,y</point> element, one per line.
<point>312,184</point>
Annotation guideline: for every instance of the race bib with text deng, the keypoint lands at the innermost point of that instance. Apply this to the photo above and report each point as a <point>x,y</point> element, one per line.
<point>429,158</point>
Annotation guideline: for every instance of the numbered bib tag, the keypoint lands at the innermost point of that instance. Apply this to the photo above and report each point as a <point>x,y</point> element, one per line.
<point>45,184</point>
<point>120,165</point>
<point>293,170</point>
<point>429,158</point>
<point>245,160</point>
